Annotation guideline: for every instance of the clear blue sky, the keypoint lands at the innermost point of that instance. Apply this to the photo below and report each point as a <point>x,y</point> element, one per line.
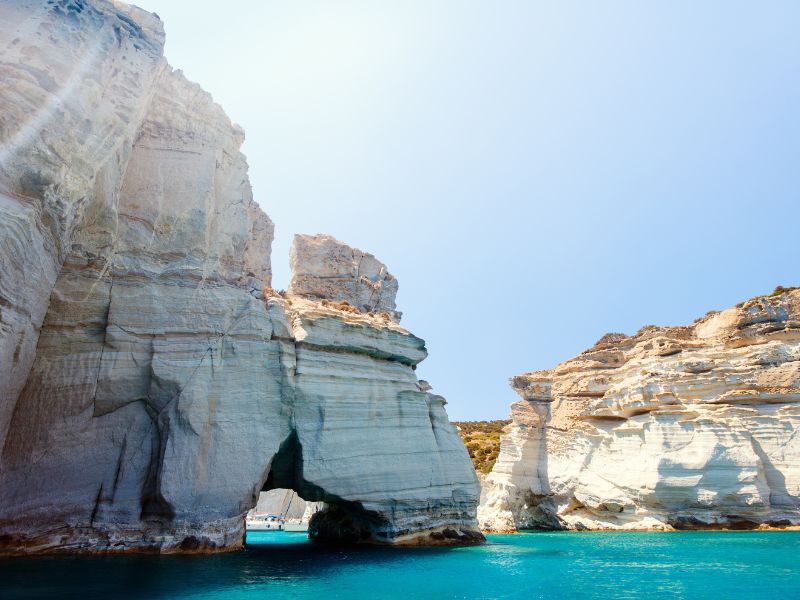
<point>535,174</point>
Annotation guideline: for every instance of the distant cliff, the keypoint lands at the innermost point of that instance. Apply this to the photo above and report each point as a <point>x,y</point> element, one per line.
<point>674,427</point>
<point>153,383</point>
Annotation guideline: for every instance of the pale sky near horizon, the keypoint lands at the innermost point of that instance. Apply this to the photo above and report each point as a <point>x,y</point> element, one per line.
<point>535,174</point>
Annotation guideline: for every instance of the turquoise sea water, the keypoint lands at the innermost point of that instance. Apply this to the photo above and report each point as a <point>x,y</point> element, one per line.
<point>716,565</point>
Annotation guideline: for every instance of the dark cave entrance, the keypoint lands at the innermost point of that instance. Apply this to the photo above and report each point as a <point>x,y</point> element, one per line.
<point>284,503</point>
<point>287,496</point>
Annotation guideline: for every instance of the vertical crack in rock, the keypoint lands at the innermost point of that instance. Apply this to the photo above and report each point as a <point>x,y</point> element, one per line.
<point>154,507</point>
<point>118,471</point>
<point>779,496</point>
<point>96,505</point>
<point>103,344</point>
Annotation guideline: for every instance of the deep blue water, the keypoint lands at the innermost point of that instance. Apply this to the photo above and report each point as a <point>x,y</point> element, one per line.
<point>715,565</point>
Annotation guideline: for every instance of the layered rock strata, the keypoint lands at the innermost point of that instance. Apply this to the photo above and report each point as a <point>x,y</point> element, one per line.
<point>154,388</point>
<point>674,427</point>
<point>324,267</point>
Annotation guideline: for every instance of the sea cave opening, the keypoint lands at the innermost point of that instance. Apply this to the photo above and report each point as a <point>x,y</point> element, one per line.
<point>280,509</point>
<point>281,505</point>
<point>290,503</point>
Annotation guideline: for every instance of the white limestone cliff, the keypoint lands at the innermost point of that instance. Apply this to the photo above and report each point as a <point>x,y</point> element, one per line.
<point>674,427</point>
<point>156,384</point>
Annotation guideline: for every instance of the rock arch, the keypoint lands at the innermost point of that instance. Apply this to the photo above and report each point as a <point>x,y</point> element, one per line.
<point>154,375</point>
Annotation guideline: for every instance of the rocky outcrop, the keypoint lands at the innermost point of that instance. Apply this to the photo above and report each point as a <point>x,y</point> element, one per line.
<point>157,385</point>
<point>324,267</point>
<point>674,427</point>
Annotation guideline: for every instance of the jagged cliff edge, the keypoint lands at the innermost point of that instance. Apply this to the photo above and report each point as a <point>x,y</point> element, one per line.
<point>153,384</point>
<point>672,428</point>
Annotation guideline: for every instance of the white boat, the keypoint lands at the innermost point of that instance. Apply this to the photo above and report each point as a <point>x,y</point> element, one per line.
<point>295,526</point>
<point>264,523</point>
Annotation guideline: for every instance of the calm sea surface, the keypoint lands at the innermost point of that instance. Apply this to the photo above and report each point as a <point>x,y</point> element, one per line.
<point>715,565</point>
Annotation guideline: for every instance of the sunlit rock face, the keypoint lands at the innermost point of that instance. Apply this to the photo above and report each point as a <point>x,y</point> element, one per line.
<point>675,427</point>
<point>154,388</point>
<point>324,267</point>
<point>76,81</point>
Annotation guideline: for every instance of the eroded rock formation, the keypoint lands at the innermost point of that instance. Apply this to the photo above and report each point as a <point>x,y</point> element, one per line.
<point>674,427</point>
<point>324,267</point>
<point>155,385</point>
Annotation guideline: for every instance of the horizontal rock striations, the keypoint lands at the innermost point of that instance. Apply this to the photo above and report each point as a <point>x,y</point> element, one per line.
<point>156,384</point>
<point>674,427</point>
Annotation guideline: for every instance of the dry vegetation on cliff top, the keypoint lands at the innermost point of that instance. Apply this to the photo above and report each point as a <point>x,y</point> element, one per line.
<point>482,439</point>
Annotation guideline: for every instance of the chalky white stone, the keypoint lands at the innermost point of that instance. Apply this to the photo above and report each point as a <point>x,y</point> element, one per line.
<point>674,427</point>
<point>156,385</point>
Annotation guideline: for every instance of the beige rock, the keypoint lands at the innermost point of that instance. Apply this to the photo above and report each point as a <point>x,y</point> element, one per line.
<point>324,267</point>
<point>75,85</point>
<point>674,427</point>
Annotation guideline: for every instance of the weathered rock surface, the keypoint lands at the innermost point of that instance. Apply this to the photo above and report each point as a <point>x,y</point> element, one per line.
<point>154,388</point>
<point>76,80</point>
<point>674,427</point>
<point>360,421</point>
<point>324,267</point>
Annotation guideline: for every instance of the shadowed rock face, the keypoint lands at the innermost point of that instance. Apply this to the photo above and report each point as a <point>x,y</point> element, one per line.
<point>674,427</point>
<point>154,388</point>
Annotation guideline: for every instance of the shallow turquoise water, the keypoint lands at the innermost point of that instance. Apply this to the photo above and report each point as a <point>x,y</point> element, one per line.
<point>716,565</point>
